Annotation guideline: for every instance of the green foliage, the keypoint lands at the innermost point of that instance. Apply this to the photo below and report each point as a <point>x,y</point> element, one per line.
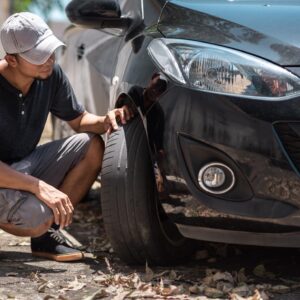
<point>45,6</point>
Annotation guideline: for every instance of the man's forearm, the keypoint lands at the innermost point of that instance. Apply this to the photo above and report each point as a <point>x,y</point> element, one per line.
<point>12,179</point>
<point>88,122</point>
<point>92,123</point>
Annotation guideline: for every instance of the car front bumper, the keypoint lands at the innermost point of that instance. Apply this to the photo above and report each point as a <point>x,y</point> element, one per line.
<point>258,140</point>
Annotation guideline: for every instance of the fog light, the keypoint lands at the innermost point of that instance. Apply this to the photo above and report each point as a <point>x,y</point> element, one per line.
<point>213,177</point>
<point>216,178</point>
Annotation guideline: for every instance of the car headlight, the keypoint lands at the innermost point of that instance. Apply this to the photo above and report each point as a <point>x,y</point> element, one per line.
<point>222,70</point>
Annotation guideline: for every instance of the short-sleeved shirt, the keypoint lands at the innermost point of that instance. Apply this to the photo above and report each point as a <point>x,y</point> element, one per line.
<point>22,118</point>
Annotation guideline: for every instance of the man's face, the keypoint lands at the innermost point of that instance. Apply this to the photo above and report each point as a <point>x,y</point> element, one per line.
<point>35,71</point>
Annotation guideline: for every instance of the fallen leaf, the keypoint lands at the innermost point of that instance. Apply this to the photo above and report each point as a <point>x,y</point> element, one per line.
<point>97,295</point>
<point>149,274</point>
<point>173,275</point>
<point>194,289</point>
<point>236,297</point>
<point>208,280</point>
<point>224,276</point>
<point>259,271</point>
<point>213,293</point>
<point>74,285</point>
<point>42,287</point>
<point>243,290</point>
<point>263,296</point>
<point>224,286</point>
<point>169,291</point>
<point>241,277</point>
<point>280,289</point>
<point>109,267</point>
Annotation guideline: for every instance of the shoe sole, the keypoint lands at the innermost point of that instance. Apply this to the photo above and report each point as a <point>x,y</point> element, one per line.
<point>60,257</point>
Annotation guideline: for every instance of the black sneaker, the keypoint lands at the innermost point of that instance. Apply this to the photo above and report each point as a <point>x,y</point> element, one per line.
<point>54,245</point>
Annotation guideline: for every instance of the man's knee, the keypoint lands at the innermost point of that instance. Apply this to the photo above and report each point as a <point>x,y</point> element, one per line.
<point>41,229</point>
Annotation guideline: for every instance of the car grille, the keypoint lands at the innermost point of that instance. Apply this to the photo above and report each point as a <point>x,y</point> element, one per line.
<point>289,134</point>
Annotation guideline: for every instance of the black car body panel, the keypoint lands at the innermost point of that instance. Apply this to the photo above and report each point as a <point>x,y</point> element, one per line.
<point>259,139</point>
<point>268,29</point>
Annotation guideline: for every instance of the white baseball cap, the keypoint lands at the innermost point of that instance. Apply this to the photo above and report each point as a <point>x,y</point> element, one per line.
<point>28,35</point>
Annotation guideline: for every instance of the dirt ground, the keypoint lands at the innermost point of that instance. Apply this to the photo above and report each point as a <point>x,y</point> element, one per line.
<point>215,272</point>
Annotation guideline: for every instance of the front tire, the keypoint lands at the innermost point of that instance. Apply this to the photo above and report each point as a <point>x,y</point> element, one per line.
<point>135,222</point>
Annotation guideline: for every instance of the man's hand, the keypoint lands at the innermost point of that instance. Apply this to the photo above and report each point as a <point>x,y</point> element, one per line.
<point>58,201</point>
<point>122,114</point>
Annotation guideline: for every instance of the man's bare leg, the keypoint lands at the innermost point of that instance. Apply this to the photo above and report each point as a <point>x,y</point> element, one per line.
<point>76,184</point>
<point>79,180</point>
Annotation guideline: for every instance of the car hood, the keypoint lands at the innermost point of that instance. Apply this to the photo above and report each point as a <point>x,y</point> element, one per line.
<point>269,29</point>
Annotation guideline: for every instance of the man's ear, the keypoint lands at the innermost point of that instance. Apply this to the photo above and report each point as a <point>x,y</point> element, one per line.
<point>11,60</point>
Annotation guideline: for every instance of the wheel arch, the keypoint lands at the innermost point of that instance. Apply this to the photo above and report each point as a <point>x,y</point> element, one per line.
<point>125,99</point>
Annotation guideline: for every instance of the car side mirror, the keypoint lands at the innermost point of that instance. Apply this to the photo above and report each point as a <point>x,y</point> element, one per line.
<point>96,14</point>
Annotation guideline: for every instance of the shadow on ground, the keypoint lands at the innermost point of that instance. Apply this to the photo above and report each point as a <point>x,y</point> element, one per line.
<point>216,272</point>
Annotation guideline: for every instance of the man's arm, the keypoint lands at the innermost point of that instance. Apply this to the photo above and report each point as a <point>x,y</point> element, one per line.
<point>12,179</point>
<point>88,122</point>
<point>59,202</point>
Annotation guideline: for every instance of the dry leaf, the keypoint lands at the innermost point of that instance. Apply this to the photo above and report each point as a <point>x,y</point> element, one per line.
<point>42,287</point>
<point>213,293</point>
<point>280,289</point>
<point>236,297</point>
<point>34,276</point>
<point>259,271</point>
<point>263,296</point>
<point>241,277</point>
<point>172,275</point>
<point>224,276</point>
<point>74,285</point>
<point>149,274</point>
<point>149,293</point>
<point>97,295</point>
<point>208,280</point>
<point>122,295</point>
<point>225,287</point>
<point>194,289</point>
<point>242,290</point>
<point>109,267</point>
<point>100,279</point>
<point>169,291</point>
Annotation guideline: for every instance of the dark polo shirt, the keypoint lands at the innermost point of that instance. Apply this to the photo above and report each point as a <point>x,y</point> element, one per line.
<point>22,118</point>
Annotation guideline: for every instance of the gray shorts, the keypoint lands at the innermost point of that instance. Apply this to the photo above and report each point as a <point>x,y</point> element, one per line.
<point>49,162</point>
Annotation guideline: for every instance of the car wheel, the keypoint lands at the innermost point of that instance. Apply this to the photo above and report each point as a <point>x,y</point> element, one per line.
<point>135,222</point>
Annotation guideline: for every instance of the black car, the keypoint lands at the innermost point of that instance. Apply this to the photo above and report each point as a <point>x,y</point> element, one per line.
<point>213,152</point>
